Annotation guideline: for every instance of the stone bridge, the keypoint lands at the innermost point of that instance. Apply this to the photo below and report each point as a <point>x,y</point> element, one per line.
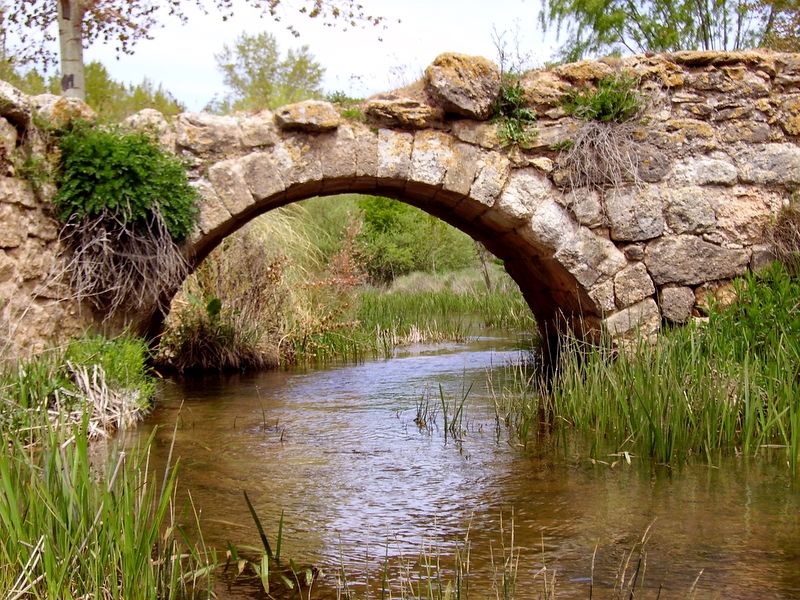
<point>715,156</point>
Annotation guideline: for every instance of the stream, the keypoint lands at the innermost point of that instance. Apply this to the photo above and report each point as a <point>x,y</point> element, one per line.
<point>364,489</point>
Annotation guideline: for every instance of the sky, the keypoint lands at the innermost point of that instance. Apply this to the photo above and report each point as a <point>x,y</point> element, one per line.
<point>359,62</point>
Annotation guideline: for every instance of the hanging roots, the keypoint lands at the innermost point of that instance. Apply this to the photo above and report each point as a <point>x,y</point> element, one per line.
<point>116,265</point>
<point>784,237</point>
<point>602,155</point>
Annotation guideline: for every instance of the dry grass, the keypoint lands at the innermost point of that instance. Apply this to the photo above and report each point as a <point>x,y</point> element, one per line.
<point>784,236</point>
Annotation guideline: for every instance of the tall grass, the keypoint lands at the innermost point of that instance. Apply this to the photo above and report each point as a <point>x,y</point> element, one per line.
<point>731,385</point>
<point>67,531</point>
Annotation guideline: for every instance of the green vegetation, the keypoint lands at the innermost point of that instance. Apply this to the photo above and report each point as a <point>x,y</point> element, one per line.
<point>615,99</point>
<point>514,119</point>
<point>126,176</point>
<point>125,204</point>
<point>70,532</point>
<point>105,380</point>
<point>730,385</point>
<point>259,77</point>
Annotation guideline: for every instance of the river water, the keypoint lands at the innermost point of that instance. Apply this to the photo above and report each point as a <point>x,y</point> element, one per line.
<point>362,486</point>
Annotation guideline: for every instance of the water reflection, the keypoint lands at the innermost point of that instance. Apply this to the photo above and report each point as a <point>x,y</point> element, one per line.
<point>338,451</point>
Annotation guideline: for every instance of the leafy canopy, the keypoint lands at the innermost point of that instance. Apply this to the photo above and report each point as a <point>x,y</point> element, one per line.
<point>126,175</point>
<point>259,77</point>
<point>637,26</point>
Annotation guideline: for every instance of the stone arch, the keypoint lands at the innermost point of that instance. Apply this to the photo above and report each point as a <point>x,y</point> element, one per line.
<point>515,213</point>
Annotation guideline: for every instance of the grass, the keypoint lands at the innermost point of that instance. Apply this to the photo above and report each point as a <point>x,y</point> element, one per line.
<point>105,381</point>
<point>73,529</point>
<point>728,386</point>
<point>515,120</point>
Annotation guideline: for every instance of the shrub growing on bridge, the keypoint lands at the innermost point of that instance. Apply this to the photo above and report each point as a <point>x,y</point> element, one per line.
<point>125,204</point>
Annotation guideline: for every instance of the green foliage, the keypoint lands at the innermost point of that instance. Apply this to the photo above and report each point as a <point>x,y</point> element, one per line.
<point>259,77</point>
<point>730,386</point>
<point>514,119</point>
<point>114,101</point>
<point>397,239</point>
<point>126,175</point>
<point>616,99</point>
<point>60,511</point>
<point>620,26</point>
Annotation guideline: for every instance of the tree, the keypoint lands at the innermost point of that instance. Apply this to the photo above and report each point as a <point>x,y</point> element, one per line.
<point>636,26</point>
<point>260,78</point>
<point>114,100</point>
<point>125,22</point>
<point>783,24</point>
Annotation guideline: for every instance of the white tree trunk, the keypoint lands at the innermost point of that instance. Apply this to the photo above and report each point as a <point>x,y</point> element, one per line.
<point>70,37</point>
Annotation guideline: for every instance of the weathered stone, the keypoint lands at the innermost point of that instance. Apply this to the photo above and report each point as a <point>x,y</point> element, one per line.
<point>17,191</point>
<point>406,113</point>
<point>634,214</point>
<point>763,256</point>
<point>633,252</point>
<point>309,115</point>
<point>203,133</point>
<point>151,121</point>
<point>464,85</point>
<point>297,161</point>
<point>790,119</point>
<point>688,210</point>
<point>8,143</point>
<point>688,260</point>
<point>60,111</point>
<point>770,164</point>
<point>258,130</point>
<point>338,150</point>
<point>15,106</point>
<point>551,135</point>
<point>8,268</point>
<point>746,131</point>
<point>677,303</point>
<point>477,133</point>
<point>602,295</point>
<point>262,176</point>
<point>653,164</point>
<point>544,89</point>
<point>527,189</point>
<point>587,207</point>
<point>431,157</point>
<point>584,71</point>
<point>551,228</point>
<point>228,180</point>
<point>493,172</point>
<point>14,229</point>
<point>461,174</point>
<point>34,259</point>
<point>638,321</point>
<point>394,154</point>
<point>591,259</point>
<point>743,213</point>
<point>543,163</point>
<point>716,293</point>
<point>632,285</point>
<point>704,171</point>
<point>212,211</point>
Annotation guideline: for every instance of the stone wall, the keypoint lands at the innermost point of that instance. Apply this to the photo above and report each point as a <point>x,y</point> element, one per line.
<point>718,150</point>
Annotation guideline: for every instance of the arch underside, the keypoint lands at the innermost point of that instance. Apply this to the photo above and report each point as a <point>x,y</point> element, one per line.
<point>555,298</point>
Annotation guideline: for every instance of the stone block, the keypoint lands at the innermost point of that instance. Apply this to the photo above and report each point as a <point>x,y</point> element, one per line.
<point>634,214</point>
<point>633,284</point>
<point>309,115</point>
<point>230,186</point>
<point>431,157</point>
<point>688,260</point>
<point>394,154</point>
<point>688,210</point>
<point>638,321</point>
<point>677,303</point>
<point>463,85</point>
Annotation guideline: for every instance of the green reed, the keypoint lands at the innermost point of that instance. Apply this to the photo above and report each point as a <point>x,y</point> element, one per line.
<point>71,528</point>
<point>731,385</point>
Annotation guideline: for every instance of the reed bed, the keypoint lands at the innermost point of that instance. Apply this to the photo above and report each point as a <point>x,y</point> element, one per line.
<point>73,529</point>
<point>729,385</point>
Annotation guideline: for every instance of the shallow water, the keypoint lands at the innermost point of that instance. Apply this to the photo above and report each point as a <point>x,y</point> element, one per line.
<point>361,484</point>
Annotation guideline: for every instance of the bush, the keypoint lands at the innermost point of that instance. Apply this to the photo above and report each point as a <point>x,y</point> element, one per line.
<point>124,203</point>
<point>124,175</point>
